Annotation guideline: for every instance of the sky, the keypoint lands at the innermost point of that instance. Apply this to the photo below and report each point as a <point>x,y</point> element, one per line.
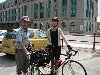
<point>98,6</point>
<point>2,1</point>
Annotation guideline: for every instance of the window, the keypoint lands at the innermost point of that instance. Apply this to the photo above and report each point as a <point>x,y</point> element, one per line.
<point>64,8</point>
<point>48,9</point>
<point>55,8</point>
<point>63,26</point>
<point>92,10</point>
<point>73,8</point>
<point>12,12</point>
<point>0,16</point>
<point>9,15</point>
<point>41,26</point>
<point>35,26</point>
<point>25,10</point>
<point>41,10</point>
<point>87,27</point>
<point>4,16</point>
<point>90,27</point>
<point>15,1</point>
<point>72,27</point>
<point>87,10</point>
<point>47,26</point>
<point>18,13</point>
<point>35,11</point>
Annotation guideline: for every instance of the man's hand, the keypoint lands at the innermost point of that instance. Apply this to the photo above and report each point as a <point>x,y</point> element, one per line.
<point>27,53</point>
<point>69,47</point>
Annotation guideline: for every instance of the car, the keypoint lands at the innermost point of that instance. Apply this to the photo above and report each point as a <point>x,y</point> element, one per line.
<point>2,33</point>
<point>38,38</point>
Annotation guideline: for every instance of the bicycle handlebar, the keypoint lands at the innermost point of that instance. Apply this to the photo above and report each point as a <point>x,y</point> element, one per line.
<point>70,53</point>
<point>75,52</point>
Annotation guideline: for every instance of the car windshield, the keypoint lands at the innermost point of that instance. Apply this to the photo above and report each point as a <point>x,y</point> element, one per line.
<point>11,35</point>
<point>31,33</point>
<point>2,33</point>
<point>42,34</point>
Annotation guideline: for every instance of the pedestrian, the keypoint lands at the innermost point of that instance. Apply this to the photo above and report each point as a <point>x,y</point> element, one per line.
<point>21,46</point>
<point>53,35</point>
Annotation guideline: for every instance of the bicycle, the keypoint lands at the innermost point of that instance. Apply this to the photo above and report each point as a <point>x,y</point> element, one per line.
<point>35,59</point>
<point>69,66</point>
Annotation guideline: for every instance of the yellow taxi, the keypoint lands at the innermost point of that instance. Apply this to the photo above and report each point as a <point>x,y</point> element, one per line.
<point>2,33</point>
<point>38,38</point>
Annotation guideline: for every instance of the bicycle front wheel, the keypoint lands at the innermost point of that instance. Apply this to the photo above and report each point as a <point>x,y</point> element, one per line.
<point>34,70</point>
<point>73,68</point>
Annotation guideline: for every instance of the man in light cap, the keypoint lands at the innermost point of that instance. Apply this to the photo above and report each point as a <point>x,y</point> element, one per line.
<point>22,44</point>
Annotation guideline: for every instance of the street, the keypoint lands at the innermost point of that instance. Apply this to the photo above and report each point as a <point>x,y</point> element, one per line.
<point>7,64</point>
<point>86,57</point>
<point>85,41</point>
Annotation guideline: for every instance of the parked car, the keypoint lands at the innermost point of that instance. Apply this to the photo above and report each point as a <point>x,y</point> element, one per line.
<point>38,38</point>
<point>2,33</point>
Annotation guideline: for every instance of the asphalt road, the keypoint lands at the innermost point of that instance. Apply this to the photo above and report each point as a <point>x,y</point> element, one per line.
<point>90,61</point>
<point>7,64</point>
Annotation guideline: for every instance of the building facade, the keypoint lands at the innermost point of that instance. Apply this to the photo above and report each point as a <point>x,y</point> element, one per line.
<point>75,15</point>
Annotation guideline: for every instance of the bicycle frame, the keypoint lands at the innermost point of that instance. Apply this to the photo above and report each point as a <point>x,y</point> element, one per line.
<point>68,55</point>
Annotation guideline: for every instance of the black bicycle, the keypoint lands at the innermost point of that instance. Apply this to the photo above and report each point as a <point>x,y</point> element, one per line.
<point>44,59</point>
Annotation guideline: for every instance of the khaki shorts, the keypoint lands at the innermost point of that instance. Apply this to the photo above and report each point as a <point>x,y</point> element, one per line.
<point>21,61</point>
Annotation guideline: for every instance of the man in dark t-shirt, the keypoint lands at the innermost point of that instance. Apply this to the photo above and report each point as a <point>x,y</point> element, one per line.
<point>53,35</point>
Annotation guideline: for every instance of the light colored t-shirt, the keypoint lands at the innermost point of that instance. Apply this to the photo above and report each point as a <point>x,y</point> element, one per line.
<point>22,35</point>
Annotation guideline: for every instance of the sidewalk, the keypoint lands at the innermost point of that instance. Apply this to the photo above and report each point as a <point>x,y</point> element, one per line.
<point>85,51</point>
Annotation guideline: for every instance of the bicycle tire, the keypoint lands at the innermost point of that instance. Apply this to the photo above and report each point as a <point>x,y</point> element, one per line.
<point>72,67</point>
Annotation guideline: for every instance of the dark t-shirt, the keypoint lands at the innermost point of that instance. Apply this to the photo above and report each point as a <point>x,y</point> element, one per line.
<point>54,37</point>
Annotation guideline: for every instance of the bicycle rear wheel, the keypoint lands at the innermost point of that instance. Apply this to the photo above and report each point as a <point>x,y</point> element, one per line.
<point>73,68</point>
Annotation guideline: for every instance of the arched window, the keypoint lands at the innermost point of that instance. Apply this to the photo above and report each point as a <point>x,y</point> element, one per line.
<point>63,26</point>
<point>47,25</point>
<point>72,27</point>
<point>35,26</point>
<point>41,26</point>
<point>87,27</point>
<point>90,27</point>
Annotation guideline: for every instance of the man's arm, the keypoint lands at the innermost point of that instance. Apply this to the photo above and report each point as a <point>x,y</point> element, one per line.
<point>23,47</point>
<point>65,40</point>
<point>63,37</point>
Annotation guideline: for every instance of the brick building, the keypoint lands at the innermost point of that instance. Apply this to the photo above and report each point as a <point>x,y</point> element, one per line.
<point>75,15</point>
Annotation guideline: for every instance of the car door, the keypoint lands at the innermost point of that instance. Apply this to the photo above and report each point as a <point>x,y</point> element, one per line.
<point>8,43</point>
